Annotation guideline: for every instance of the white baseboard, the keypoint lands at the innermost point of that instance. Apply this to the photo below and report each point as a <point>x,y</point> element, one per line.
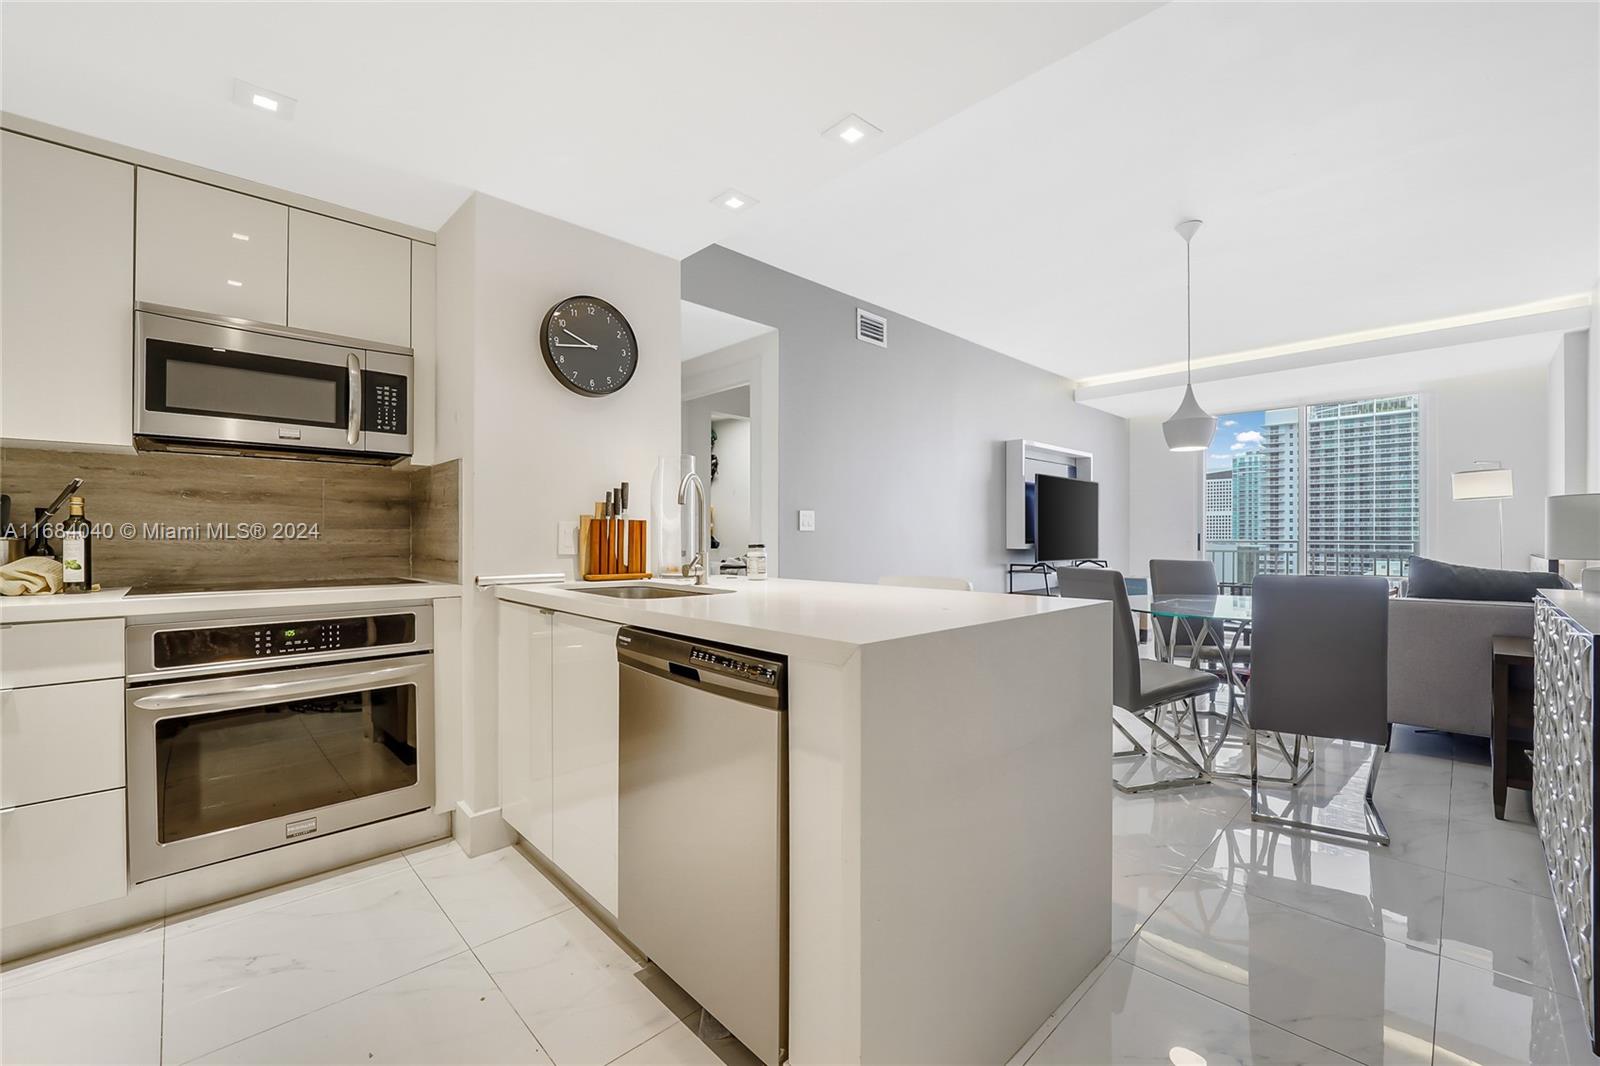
<point>480,832</point>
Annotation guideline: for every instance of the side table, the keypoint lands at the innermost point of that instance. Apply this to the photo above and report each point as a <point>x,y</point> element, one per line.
<point>1511,727</point>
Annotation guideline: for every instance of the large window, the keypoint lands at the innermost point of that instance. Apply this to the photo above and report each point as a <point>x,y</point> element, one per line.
<point>1329,488</point>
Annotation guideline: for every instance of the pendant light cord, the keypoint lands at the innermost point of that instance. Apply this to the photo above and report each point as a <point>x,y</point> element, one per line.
<point>1188,316</point>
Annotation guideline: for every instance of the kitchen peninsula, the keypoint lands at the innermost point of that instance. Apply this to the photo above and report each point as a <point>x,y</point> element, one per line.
<point>948,816</point>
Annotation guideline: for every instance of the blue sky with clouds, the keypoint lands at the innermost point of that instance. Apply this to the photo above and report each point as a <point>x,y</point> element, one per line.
<point>1235,433</point>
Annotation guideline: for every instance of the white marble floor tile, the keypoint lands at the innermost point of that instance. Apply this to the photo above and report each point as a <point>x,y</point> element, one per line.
<point>1501,853</point>
<point>1472,796</point>
<point>1131,1016</point>
<point>682,1045</point>
<point>1486,1017</point>
<point>1362,995</point>
<point>450,1012</point>
<point>1416,837</point>
<point>1355,886</point>
<point>233,980</point>
<point>1186,818</point>
<point>488,896</point>
<point>1506,930</point>
<point>583,997</point>
<point>232,910</point>
<point>1142,875</point>
<point>101,1004</point>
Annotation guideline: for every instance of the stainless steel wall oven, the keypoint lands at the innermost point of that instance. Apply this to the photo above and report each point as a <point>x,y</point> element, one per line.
<point>248,732</point>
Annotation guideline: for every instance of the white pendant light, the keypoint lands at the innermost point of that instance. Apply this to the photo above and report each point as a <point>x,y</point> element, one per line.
<point>1189,429</point>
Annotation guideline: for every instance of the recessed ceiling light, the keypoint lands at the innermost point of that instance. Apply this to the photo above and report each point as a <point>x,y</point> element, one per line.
<point>241,236</point>
<point>236,284</point>
<point>852,130</point>
<point>258,99</point>
<point>734,200</point>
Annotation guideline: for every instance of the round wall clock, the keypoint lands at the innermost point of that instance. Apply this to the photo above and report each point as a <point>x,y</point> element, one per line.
<point>588,346</point>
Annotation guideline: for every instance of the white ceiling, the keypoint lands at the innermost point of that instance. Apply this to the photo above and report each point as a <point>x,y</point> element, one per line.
<point>625,118</point>
<point>1357,166</point>
<point>705,329</point>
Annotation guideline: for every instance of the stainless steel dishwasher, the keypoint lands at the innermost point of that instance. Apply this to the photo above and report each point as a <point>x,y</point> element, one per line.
<point>702,857</point>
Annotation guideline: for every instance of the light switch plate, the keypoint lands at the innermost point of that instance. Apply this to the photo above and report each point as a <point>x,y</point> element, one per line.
<point>567,538</point>
<point>808,521</point>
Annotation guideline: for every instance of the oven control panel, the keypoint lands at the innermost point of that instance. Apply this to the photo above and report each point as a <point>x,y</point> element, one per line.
<point>177,648</point>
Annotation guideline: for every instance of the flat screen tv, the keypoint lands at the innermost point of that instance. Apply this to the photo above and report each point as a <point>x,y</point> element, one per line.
<point>1066,519</point>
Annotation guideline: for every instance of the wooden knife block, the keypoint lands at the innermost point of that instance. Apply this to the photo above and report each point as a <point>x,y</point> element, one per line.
<point>613,549</point>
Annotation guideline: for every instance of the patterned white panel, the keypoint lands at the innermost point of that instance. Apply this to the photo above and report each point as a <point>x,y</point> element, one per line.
<point>1563,794</point>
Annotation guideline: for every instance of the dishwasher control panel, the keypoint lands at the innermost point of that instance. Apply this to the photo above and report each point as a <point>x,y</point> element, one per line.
<point>728,663</point>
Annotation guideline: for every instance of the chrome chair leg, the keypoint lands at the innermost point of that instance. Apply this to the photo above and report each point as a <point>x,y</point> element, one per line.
<point>1137,749</point>
<point>1178,755</point>
<point>1370,808</point>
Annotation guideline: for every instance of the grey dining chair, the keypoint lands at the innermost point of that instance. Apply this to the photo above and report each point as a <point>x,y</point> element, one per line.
<point>1321,669</point>
<point>1142,687</point>
<point>1189,577</point>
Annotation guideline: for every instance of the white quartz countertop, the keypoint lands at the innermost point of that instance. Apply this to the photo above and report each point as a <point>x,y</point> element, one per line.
<point>116,603</point>
<point>815,619</point>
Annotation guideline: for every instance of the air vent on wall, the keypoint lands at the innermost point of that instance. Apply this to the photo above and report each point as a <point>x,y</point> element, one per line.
<point>874,329</point>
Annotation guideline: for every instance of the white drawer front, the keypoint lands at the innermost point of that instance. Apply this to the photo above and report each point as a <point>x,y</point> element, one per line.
<point>60,740</point>
<point>59,856</point>
<point>51,653</point>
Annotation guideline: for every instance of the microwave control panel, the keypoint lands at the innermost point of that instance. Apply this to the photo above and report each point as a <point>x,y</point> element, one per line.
<point>384,406</point>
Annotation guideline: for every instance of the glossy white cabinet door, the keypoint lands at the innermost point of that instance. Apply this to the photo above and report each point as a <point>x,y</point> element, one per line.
<point>66,267</point>
<point>53,653</point>
<point>60,856</point>
<point>349,279</point>
<point>424,351</point>
<point>585,748</point>
<point>208,249</point>
<point>60,740</point>
<point>526,800</point>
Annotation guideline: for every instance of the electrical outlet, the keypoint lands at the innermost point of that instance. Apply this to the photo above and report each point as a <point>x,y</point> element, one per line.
<point>566,538</point>
<point>808,521</point>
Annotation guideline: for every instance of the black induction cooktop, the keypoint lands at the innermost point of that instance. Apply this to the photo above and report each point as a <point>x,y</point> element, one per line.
<point>178,586</point>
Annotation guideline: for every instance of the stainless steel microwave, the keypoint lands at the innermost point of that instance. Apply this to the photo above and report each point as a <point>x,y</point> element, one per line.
<point>203,379</point>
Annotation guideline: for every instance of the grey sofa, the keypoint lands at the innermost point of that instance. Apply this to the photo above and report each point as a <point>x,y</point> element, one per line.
<point>1440,660</point>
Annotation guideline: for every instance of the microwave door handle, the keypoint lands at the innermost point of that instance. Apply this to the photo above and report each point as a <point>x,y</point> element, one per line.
<point>353,429</point>
<point>251,695</point>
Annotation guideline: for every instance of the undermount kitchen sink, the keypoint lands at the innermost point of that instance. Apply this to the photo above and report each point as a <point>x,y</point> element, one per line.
<point>649,592</point>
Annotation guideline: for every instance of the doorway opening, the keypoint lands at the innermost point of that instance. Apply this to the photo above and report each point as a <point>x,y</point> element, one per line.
<point>730,426</point>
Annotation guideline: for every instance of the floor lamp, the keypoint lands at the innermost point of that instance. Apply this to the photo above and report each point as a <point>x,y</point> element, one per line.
<point>1492,482</point>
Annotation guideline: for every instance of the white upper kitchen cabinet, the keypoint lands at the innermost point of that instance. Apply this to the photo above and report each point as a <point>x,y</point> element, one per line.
<point>212,250</point>
<point>585,752</point>
<point>66,282</point>
<point>526,801</point>
<point>424,350</point>
<point>348,279</point>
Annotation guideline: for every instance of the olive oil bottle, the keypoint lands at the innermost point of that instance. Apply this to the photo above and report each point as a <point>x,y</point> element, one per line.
<point>77,571</point>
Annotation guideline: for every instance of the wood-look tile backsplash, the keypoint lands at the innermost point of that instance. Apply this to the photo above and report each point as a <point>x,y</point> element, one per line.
<point>370,521</point>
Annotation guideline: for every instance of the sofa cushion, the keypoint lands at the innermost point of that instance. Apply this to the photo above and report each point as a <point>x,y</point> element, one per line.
<point>1430,579</point>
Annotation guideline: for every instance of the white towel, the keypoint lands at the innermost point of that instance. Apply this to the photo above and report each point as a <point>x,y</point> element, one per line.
<point>37,575</point>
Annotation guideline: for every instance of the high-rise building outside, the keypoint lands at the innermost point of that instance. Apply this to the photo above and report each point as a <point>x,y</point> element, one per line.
<point>1363,497</point>
<point>1219,505</point>
<point>1336,491</point>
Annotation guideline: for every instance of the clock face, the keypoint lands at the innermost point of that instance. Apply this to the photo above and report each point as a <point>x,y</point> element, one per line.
<point>589,346</point>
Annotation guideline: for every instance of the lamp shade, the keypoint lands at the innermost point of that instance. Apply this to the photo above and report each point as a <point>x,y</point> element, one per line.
<point>1494,484</point>
<point>1572,526</point>
<point>1189,429</point>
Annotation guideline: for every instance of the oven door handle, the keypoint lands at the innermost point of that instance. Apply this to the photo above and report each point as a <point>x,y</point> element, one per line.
<point>353,413</point>
<point>251,695</point>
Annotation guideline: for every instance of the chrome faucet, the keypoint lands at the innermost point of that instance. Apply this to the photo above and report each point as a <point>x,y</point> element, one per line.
<point>700,566</point>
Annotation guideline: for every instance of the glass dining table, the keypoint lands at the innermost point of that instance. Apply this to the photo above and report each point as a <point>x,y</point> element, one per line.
<point>1212,633</point>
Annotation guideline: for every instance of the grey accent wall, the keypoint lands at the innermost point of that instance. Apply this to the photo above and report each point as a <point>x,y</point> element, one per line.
<point>900,451</point>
